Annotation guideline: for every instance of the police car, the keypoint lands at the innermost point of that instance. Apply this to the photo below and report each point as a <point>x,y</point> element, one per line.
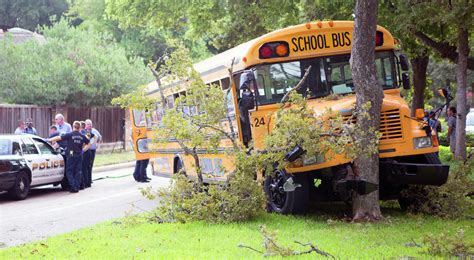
<point>28,161</point>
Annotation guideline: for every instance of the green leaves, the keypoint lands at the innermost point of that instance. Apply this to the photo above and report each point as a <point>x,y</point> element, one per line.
<point>73,67</point>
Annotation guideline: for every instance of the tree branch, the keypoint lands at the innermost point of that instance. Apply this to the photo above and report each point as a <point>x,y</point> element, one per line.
<point>444,49</point>
<point>231,82</point>
<point>251,248</point>
<point>313,249</point>
<point>158,82</point>
<point>300,83</point>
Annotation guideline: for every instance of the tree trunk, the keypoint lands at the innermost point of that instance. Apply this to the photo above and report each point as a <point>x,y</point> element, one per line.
<point>198,168</point>
<point>472,94</point>
<point>419,65</point>
<point>368,90</point>
<point>463,52</point>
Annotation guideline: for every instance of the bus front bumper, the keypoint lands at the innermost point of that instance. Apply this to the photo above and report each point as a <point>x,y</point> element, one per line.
<point>413,173</point>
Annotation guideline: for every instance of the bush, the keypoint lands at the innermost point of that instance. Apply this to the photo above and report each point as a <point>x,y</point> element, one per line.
<point>240,199</point>
<point>450,200</point>
<point>444,245</point>
<point>442,137</point>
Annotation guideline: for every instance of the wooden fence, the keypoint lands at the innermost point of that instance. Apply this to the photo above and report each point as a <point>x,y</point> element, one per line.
<point>110,121</point>
<point>10,114</point>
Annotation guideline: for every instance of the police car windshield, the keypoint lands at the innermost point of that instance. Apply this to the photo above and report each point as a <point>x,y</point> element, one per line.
<point>470,119</point>
<point>5,147</point>
<point>328,75</point>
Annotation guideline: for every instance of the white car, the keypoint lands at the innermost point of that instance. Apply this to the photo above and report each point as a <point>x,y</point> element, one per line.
<point>470,122</point>
<point>43,164</point>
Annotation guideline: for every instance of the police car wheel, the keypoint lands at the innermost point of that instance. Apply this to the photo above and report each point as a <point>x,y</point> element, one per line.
<point>65,184</point>
<point>21,188</point>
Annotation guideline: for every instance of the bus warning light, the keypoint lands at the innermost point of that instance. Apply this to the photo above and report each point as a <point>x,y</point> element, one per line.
<point>265,52</point>
<point>320,24</point>
<point>308,26</point>
<point>274,50</point>
<point>331,23</point>
<point>281,50</point>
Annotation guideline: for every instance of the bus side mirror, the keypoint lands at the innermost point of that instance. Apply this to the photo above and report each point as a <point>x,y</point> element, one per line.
<point>404,62</point>
<point>405,80</point>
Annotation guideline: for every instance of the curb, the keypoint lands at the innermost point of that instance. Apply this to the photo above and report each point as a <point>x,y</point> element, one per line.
<point>112,167</point>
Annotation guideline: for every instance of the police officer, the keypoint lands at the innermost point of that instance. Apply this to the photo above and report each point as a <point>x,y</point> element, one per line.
<point>86,158</point>
<point>76,144</point>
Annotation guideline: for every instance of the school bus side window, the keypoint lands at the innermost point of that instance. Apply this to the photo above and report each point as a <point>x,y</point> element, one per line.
<point>275,80</point>
<point>139,117</point>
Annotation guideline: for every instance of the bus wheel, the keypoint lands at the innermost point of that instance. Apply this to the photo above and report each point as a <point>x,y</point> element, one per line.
<point>286,202</point>
<point>407,202</point>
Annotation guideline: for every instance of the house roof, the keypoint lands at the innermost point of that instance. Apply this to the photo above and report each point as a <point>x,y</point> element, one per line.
<point>21,35</point>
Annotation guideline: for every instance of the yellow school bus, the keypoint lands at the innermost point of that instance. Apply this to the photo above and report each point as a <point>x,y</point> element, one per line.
<point>274,63</point>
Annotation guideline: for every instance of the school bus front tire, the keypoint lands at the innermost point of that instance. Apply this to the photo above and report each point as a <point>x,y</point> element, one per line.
<point>286,202</point>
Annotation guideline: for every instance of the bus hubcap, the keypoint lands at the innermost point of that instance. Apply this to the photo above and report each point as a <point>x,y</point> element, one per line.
<point>277,194</point>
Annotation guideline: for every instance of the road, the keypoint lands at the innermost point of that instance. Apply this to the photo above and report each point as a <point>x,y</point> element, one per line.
<point>49,211</point>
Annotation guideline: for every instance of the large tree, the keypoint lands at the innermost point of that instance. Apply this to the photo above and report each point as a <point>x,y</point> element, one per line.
<point>445,27</point>
<point>220,24</point>
<point>29,14</point>
<point>144,42</point>
<point>369,96</point>
<point>72,67</point>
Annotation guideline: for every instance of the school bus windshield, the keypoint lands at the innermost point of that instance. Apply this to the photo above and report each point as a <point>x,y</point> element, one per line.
<point>328,75</point>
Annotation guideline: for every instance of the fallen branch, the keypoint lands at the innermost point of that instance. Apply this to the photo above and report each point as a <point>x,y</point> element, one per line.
<point>251,248</point>
<point>313,249</point>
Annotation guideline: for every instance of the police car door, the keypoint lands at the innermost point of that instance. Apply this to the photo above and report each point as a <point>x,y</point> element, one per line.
<point>54,161</point>
<point>34,160</point>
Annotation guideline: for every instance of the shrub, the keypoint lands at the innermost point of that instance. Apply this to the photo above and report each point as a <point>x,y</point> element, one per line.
<point>442,137</point>
<point>240,198</point>
<point>445,245</point>
<point>450,200</point>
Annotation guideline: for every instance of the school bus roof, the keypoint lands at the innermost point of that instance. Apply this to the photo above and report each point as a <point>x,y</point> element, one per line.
<point>336,35</point>
<point>322,38</point>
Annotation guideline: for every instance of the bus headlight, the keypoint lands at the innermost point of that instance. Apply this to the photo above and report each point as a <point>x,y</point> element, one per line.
<point>422,142</point>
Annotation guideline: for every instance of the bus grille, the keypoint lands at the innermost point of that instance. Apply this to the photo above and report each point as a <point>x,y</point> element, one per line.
<point>390,124</point>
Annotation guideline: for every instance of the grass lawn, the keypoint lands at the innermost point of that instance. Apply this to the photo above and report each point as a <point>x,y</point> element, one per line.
<point>399,235</point>
<point>113,158</point>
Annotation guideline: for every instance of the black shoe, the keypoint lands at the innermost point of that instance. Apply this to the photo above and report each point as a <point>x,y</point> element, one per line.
<point>144,181</point>
<point>74,191</point>
<point>148,179</point>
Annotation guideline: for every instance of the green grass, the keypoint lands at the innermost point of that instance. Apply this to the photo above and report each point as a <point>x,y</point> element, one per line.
<point>390,238</point>
<point>113,158</point>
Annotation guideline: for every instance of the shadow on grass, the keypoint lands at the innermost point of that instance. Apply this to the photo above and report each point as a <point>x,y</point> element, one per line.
<point>343,211</point>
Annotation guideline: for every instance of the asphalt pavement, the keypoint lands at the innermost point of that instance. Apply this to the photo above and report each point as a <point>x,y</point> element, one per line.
<point>49,211</point>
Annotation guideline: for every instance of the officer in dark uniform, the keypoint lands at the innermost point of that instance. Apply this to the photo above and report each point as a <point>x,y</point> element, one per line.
<point>76,144</point>
<point>86,158</point>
